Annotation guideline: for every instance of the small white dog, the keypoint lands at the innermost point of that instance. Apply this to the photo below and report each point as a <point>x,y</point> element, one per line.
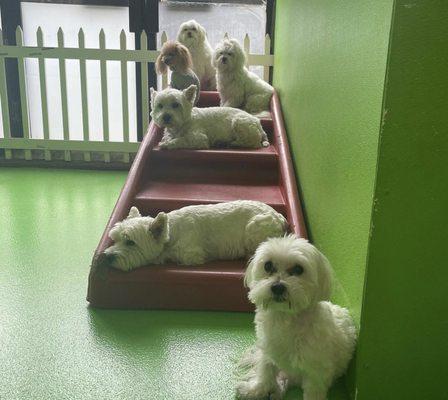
<point>192,235</point>
<point>188,127</point>
<point>302,338</point>
<point>193,36</point>
<point>237,86</point>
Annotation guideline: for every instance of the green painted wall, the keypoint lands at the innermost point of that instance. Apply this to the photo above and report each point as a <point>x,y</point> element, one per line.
<point>403,345</point>
<point>330,61</point>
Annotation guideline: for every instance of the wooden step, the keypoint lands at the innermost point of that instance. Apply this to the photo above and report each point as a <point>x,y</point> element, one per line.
<point>157,196</point>
<point>219,166</point>
<point>174,287</point>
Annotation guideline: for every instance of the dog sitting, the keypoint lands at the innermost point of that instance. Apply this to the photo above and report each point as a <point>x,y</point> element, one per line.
<point>193,36</point>
<point>188,127</point>
<point>192,235</point>
<point>177,57</point>
<point>237,86</point>
<point>302,338</point>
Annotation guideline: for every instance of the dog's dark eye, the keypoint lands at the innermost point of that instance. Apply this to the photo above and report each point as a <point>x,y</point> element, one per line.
<point>193,29</point>
<point>269,267</point>
<point>130,242</point>
<point>175,105</point>
<point>296,270</point>
<point>159,106</point>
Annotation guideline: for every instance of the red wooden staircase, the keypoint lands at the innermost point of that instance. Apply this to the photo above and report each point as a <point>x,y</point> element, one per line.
<point>162,180</point>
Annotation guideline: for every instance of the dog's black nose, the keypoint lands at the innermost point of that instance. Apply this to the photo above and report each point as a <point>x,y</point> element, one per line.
<point>166,118</point>
<point>224,60</point>
<point>278,288</point>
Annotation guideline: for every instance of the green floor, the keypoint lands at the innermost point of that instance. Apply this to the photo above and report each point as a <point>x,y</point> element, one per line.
<point>53,346</point>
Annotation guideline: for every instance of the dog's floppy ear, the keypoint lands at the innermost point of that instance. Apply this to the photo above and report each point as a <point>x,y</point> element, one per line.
<point>190,93</point>
<point>153,94</point>
<point>239,52</point>
<point>160,65</point>
<point>202,32</point>
<point>248,276</point>
<point>325,277</point>
<point>159,227</point>
<point>134,213</point>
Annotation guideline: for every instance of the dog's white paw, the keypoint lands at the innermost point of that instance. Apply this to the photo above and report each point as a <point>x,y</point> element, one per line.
<point>169,144</point>
<point>256,390</point>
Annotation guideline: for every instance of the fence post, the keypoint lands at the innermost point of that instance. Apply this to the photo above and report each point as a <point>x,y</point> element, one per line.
<point>267,50</point>
<point>22,88</point>
<point>124,94</point>
<point>63,83</point>
<point>163,39</point>
<point>43,91</point>
<point>246,44</point>
<point>84,97</point>
<point>104,99</point>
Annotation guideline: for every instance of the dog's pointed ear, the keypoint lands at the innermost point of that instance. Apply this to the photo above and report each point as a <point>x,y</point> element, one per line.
<point>239,52</point>
<point>159,227</point>
<point>190,93</point>
<point>153,94</point>
<point>134,213</point>
<point>203,33</point>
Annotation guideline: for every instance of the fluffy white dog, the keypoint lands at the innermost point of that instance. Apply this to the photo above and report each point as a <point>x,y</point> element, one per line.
<point>192,235</point>
<point>188,127</point>
<point>237,86</point>
<point>302,338</point>
<point>193,36</point>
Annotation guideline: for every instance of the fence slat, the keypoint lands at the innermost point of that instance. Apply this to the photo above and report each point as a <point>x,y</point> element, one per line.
<point>267,50</point>
<point>84,98</point>
<point>104,102</point>
<point>63,83</point>
<point>22,88</point>
<point>144,88</point>
<point>4,100</point>
<point>163,39</point>
<point>247,48</point>
<point>43,91</point>
<point>62,53</point>
<point>124,94</point>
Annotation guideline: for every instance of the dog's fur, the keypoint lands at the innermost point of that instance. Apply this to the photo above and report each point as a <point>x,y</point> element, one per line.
<point>177,58</point>
<point>237,86</point>
<point>193,35</point>
<point>193,235</point>
<point>302,338</point>
<point>189,127</point>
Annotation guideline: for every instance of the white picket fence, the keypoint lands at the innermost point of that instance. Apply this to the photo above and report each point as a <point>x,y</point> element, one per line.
<point>85,150</point>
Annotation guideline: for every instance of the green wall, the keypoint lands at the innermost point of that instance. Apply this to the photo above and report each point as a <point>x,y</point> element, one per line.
<point>403,345</point>
<point>364,88</point>
<point>330,61</point>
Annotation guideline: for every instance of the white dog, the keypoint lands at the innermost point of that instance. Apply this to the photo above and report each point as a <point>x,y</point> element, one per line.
<point>192,235</point>
<point>193,35</point>
<point>301,337</point>
<point>237,86</point>
<point>188,127</point>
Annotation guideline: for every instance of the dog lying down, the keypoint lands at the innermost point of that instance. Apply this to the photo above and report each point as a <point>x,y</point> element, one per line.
<point>188,127</point>
<point>192,235</point>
